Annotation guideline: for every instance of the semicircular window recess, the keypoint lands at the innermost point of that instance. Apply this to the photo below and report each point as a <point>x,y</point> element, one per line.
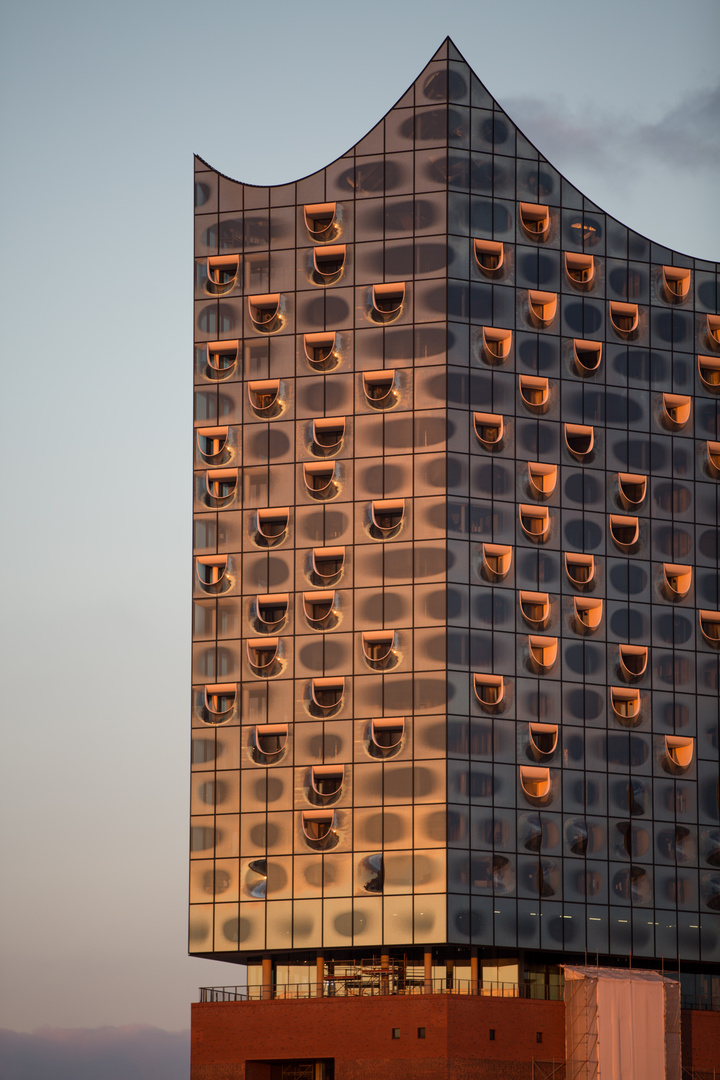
<point>535,781</point>
<point>535,522</point>
<point>328,263</point>
<point>319,609</point>
<point>317,825</point>
<point>328,434</point>
<point>624,317</point>
<point>625,703</point>
<point>320,350</point>
<point>489,690</point>
<point>625,531</point>
<point>262,654</point>
<point>379,388</point>
<point>489,429</point>
<point>328,563</point>
<point>587,356</point>
<point>579,439</point>
<point>588,614</point>
<point>679,752</point>
<point>580,569</point>
<point>535,392</point>
<point>489,255</point>
<point>270,739</point>
<point>676,282</point>
<point>221,485</point>
<point>542,479</point>
<point>542,306</point>
<point>713,329</point>
<point>271,610</point>
<point>535,220</point>
<point>497,343</point>
<point>320,479</point>
<point>579,268</point>
<point>709,372</point>
<point>378,648</point>
<point>264,396</point>
<point>221,358</point>
<point>387,301</point>
<point>326,781</point>
<point>710,626</point>
<point>633,661</point>
<point>321,221</point>
<point>386,517</point>
<point>264,312</point>
<point>212,442</point>
<point>271,525</point>
<point>713,457</point>
<point>212,572</point>
<point>543,739</point>
<point>535,608</point>
<point>222,273</point>
<point>219,702</point>
<point>497,560</point>
<point>543,652</point>
<point>327,694</point>
<point>256,879</point>
<point>676,410</point>
<point>632,489</point>
<point>386,736</point>
<point>677,580</point>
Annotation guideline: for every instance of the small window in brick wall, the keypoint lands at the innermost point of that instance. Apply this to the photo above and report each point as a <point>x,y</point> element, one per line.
<point>538,1036</point>
<point>421,1033</point>
<point>492,1034</point>
<point>396,1033</point>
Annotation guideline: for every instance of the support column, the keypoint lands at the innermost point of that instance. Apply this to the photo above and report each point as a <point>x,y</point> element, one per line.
<point>428,971</point>
<point>474,966</point>
<point>267,987</point>
<point>319,975</point>
<point>385,973</point>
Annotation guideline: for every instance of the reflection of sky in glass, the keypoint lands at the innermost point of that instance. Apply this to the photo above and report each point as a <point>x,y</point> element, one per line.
<point>102,116</point>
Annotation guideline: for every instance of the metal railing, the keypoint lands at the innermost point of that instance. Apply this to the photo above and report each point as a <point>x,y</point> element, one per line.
<point>383,986</point>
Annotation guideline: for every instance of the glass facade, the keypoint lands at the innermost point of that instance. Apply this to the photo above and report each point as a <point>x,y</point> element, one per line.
<point>455,583</point>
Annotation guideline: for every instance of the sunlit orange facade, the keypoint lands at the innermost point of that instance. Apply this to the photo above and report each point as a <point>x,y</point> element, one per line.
<point>456,613</point>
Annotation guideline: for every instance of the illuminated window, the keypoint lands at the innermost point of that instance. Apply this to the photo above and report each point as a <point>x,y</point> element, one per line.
<point>497,560</point>
<point>377,648</point>
<point>489,255</point>
<point>270,739</point>
<point>543,739</point>
<point>222,273</point>
<point>386,736</point>
<point>535,522</point>
<point>535,781</point>
<point>709,372</point>
<point>676,410</point>
<point>579,439</point>
<point>489,690</point>
<point>713,457</point>
<point>328,263</point>
<point>320,221</point>
<point>319,609</point>
<point>625,702</point>
<point>543,652</point>
<point>587,356</point>
<point>632,489</point>
<point>579,268</point>
<point>625,531</point>
<point>588,614</point>
<point>535,392</point>
<point>219,702</point>
<point>327,694</point>
<point>713,329</point>
<point>262,654</point>
<point>221,485</point>
<point>212,572</point>
<point>496,344</point>
<point>317,826</point>
<point>710,626</point>
<point>387,301</point>
<point>633,661</point>
<point>543,306</point>
<point>320,351</point>
<point>328,563</point>
<point>264,397</point>
<point>580,569</point>
<point>320,479</point>
<point>212,442</point>
<point>328,434</point>
<point>264,311</point>
<point>677,580</point>
<point>679,752</point>
<point>386,517</point>
<point>272,524</point>
<point>489,429</point>
<point>327,780</point>
<point>676,282</point>
<point>535,220</point>
<point>542,479</point>
<point>378,387</point>
<point>271,610</point>
<point>535,608</point>
<point>624,317</point>
<point>221,358</point>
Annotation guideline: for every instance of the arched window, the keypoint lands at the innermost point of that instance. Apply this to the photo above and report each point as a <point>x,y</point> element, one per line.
<point>326,781</point>
<point>543,652</point>
<point>535,220</point>
<point>496,344</point>
<point>633,661</point>
<point>676,410</point>
<point>632,489</point>
<point>543,739</point>
<point>320,350</point>
<point>328,263</point>
<point>542,479</point>
<point>713,329</point>
<point>535,782</point>
<point>222,273</point>
<point>378,648</point>
<point>710,626</point>
<point>676,282</point>
<point>677,580</point>
<point>387,301</point>
<point>328,563</point>
<point>270,739</point>
<point>489,255</point>
<point>264,311</point>
<point>212,442</point>
<point>535,522</point>
<point>709,372</point>
<point>221,485</point>
<point>679,752</point>
<point>587,356</point>
<point>379,388</point>
<point>212,572</point>
<point>271,611</point>
<point>580,569</point>
<point>543,306</point>
<point>221,358</point>
<point>535,608</point>
<point>497,560</point>
<point>320,480</point>
<point>588,614</point>
<point>579,439</point>
<point>262,654</point>
<point>386,736</point>
<point>319,609</point>
<point>272,525</point>
<point>219,702</point>
<point>624,317</point>
<point>320,221</point>
<point>317,826</point>
<point>386,517</point>
<point>264,397</point>
<point>327,694</point>
<point>489,690</point>
<point>535,392</point>
<point>625,703</point>
<point>489,429</point>
<point>328,434</point>
<point>579,268</point>
<point>625,531</point>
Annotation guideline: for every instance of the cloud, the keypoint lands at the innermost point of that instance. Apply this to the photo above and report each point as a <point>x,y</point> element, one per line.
<point>113,1053</point>
<point>686,138</point>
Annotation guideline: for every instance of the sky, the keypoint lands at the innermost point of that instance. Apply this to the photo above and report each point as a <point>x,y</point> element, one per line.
<point>101,109</point>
